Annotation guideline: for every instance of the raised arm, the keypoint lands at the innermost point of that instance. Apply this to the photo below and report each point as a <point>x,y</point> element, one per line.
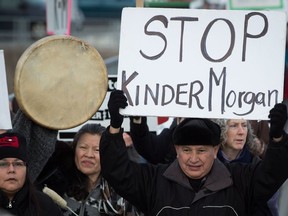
<point>273,172</point>
<point>154,148</point>
<point>130,180</point>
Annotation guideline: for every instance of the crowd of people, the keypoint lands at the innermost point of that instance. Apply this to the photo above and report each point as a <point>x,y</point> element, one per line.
<point>216,169</point>
<point>196,166</point>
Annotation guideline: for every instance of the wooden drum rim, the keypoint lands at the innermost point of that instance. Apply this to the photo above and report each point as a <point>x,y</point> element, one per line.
<point>60,81</point>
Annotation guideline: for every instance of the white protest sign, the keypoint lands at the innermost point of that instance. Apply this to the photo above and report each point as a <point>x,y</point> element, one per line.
<point>256,4</point>
<point>102,116</point>
<point>201,63</point>
<point>58,16</point>
<point>5,118</point>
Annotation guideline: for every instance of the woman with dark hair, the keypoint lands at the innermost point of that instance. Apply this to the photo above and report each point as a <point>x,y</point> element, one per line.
<point>86,164</point>
<point>87,193</point>
<point>17,194</point>
<point>74,172</point>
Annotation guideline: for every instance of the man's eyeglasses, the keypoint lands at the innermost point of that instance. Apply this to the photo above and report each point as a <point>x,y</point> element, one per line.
<point>15,164</point>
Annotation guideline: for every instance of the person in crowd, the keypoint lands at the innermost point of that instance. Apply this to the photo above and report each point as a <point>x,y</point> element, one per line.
<point>17,194</point>
<point>160,149</point>
<point>196,183</point>
<point>57,171</point>
<point>237,141</point>
<point>237,145</point>
<point>88,191</point>
<point>84,189</point>
<point>41,140</point>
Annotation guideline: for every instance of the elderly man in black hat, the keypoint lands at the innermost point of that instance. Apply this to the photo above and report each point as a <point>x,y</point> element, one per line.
<point>196,183</point>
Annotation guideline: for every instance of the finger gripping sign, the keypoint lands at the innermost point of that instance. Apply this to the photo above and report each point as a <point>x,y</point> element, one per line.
<point>201,63</point>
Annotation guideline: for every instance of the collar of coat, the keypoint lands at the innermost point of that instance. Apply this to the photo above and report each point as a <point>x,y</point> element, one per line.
<point>18,201</point>
<point>218,178</point>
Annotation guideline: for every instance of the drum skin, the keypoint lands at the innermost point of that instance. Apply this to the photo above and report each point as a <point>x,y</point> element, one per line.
<point>60,81</point>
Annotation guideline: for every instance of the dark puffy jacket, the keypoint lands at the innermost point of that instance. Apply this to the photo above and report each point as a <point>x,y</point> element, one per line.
<point>26,203</point>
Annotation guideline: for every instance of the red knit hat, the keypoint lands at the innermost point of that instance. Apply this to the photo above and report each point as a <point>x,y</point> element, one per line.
<point>13,145</point>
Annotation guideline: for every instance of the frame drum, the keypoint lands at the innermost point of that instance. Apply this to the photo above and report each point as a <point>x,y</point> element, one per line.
<point>60,81</point>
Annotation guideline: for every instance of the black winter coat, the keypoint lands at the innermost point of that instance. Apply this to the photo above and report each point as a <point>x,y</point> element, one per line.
<point>22,204</point>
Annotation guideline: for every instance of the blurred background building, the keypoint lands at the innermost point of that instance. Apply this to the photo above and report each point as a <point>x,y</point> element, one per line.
<point>22,22</point>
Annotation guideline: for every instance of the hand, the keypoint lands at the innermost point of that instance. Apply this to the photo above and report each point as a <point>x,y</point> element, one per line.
<point>135,119</point>
<point>278,117</point>
<point>117,100</point>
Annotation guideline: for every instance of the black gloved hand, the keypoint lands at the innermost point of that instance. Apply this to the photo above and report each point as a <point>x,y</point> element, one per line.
<point>278,117</point>
<point>117,100</point>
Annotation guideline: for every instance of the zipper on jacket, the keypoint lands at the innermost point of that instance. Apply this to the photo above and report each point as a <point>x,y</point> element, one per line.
<point>10,204</point>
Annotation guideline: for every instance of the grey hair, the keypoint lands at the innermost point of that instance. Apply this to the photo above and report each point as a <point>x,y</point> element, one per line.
<point>224,128</point>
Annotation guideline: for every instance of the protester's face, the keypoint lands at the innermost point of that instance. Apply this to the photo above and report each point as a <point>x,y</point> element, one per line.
<point>87,158</point>
<point>12,175</point>
<point>236,134</point>
<point>196,161</point>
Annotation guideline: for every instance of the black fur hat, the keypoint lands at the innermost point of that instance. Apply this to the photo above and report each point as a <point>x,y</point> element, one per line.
<point>197,131</point>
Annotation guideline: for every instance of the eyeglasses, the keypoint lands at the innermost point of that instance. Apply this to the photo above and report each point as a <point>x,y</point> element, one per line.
<point>15,164</point>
